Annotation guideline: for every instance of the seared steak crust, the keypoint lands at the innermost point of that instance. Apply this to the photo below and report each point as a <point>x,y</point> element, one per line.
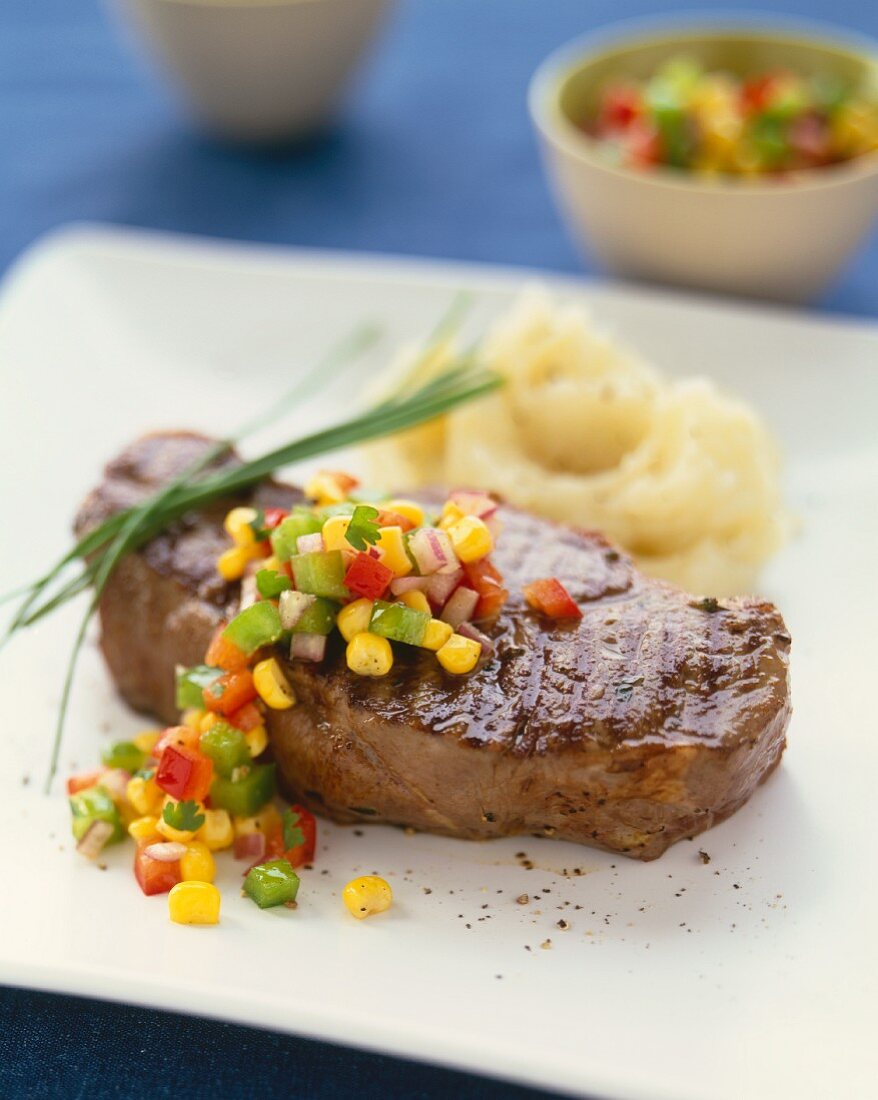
<point>649,720</point>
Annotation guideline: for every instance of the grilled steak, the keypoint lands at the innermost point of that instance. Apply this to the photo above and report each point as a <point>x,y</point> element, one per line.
<point>649,720</point>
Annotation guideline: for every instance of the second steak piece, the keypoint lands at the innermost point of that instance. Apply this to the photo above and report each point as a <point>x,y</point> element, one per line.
<point>649,720</point>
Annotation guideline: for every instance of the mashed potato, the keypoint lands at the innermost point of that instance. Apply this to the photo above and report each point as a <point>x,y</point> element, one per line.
<point>681,475</point>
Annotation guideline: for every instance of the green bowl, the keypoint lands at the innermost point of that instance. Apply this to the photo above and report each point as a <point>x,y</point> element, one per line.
<point>782,239</point>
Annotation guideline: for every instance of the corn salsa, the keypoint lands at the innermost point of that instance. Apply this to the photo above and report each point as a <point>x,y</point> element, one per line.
<point>768,123</point>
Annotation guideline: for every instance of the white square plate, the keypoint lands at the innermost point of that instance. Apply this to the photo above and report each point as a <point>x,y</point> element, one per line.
<point>753,975</point>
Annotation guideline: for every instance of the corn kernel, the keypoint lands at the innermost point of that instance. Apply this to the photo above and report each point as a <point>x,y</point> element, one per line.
<point>194,903</point>
<point>436,634</point>
<point>366,895</point>
<point>272,563</point>
<point>334,531</point>
<point>392,549</point>
<point>144,829</point>
<point>266,821</point>
<point>197,865</point>
<point>471,538</point>
<point>232,563</point>
<point>144,795</point>
<point>451,514</point>
<point>325,489</point>
<point>217,832</point>
<point>237,524</point>
<point>127,813</point>
<point>414,513</point>
<point>369,655</point>
<point>257,740</point>
<point>272,685</point>
<point>208,718</point>
<point>147,740</point>
<point>417,601</point>
<point>354,618</point>
<point>459,654</point>
<point>192,718</point>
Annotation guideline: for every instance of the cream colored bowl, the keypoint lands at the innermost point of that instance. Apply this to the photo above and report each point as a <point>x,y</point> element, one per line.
<point>257,70</point>
<point>762,238</point>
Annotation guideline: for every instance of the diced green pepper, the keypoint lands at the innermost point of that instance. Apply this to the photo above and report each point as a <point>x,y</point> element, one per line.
<point>319,618</point>
<point>345,508</point>
<point>272,883</point>
<point>270,583</point>
<point>94,804</point>
<point>769,136</point>
<point>245,794</point>
<point>321,573</point>
<point>254,627</point>
<point>226,747</point>
<point>191,682</point>
<point>666,106</point>
<point>368,496</point>
<point>398,623</point>
<point>285,536</point>
<point>125,755</point>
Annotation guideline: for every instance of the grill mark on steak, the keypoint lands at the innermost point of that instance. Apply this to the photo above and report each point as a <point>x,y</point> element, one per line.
<point>649,720</point>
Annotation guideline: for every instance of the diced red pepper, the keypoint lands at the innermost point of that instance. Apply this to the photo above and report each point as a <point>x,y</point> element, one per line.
<point>551,598</point>
<point>153,875</point>
<point>184,774</point>
<point>233,691</point>
<point>393,519</point>
<point>367,576</point>
<point>643,145</point>
<point>181,737</point>
<point>246,718</point>
<point>757,92</point>
<point>272,517</point>
<point>621,104</point>
<point>221,653</point>
<point>487,580</point>
<point>83,781</point>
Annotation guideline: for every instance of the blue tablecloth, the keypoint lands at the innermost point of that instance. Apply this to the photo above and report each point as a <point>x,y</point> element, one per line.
<point>433,156</point>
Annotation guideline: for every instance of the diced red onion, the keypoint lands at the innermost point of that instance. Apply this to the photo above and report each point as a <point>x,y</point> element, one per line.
<point>432,550</point>
<point>309,544</point>
<point>460,606</point>
<point>250,846</point>
<point>400,585</point>
<point>293,606</point>
<point>494,525</point>
<point>441,585</point>
<point>473,503</point>
<point>94,839</point>
<point>115,782</point>
<point>165,851</point>
<point>472,632</point>
<point>308,647</point>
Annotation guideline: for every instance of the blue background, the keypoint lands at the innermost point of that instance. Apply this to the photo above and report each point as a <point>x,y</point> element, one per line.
<point>433,155</point>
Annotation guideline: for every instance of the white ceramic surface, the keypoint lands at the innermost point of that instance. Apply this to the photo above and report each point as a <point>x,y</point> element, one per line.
<point>257,70</point>
<point>751,976</point>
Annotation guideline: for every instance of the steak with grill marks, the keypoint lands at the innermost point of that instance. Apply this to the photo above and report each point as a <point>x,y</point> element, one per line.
<point>649,720</point>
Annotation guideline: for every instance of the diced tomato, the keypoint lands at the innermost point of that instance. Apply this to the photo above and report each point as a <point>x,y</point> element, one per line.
<point>551,598</point>
<point>181,737</point>
<point>301,853</point>
<point>184,774</point>
<point>487,580</point>
<point>344,481</point>
<point>304,853</point>
<point>83,781</point>
<point>757,92</point>
<point>643,145</point>
<point>393,519</point>
<point>367,576</point>
<point>621,104</point>
<point>153,875</point>
<point>221,653</point>
<point>246,718</point>
<point>234,690</point>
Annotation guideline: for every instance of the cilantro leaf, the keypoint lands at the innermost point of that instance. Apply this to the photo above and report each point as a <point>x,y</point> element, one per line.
<point>293,835</point>
<point>183,816</point>
<point>257,526</point>
<point>271,583</point>
<point>363,528</point>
